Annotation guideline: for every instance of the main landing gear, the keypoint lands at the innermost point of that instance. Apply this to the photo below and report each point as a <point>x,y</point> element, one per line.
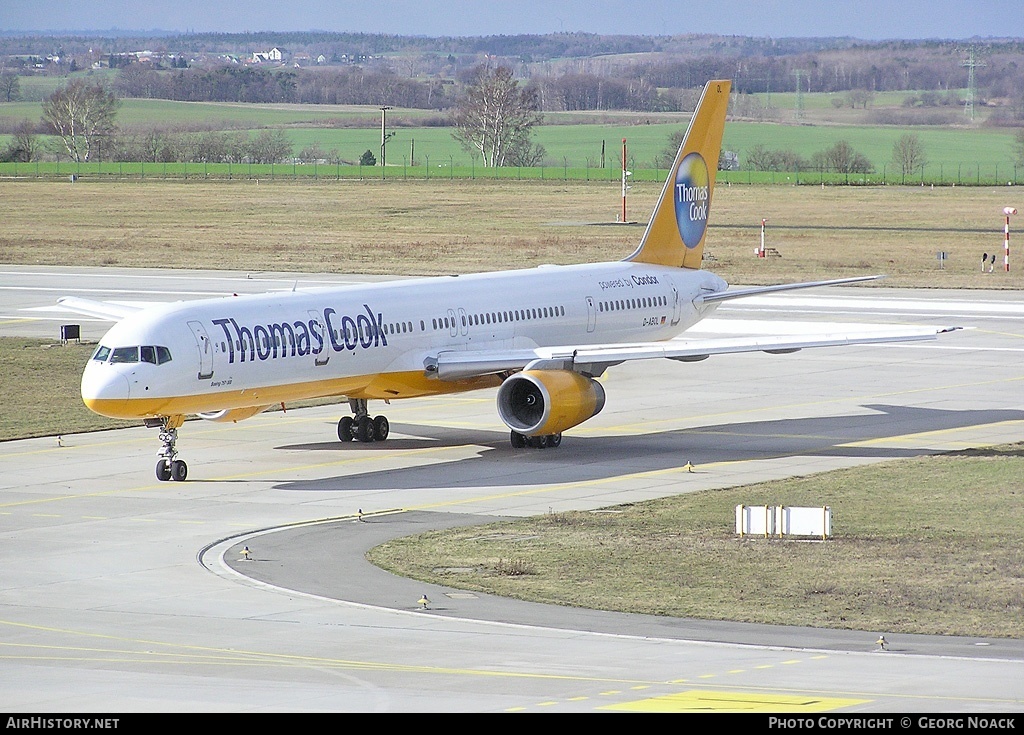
<point>168,467</point>
<point>535,442</point>
<point>362,427</point>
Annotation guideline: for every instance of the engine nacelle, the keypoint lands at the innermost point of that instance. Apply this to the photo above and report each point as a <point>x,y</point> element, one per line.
<point>540,402</point>
<point>233,414</point>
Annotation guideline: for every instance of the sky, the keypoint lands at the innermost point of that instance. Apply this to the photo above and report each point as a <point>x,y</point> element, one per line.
<point>864,19</point>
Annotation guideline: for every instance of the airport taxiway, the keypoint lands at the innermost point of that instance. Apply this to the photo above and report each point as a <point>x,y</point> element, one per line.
<point>124,594</point>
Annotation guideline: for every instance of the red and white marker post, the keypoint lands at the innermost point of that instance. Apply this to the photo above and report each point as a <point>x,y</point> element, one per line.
<point>1006,237</point>
<point>625,175</point>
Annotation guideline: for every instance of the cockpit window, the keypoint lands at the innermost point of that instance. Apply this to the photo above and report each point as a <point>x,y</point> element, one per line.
<point>153,354</point>
<point>125,354</point>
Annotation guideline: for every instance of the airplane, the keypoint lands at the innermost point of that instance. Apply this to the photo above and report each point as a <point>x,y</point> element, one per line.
<point>542,336</point>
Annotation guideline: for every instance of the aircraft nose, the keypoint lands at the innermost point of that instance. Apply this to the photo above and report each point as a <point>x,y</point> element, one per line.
<point>105,391</point>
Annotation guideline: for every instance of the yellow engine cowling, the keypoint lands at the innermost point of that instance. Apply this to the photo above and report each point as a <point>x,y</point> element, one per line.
<point>233,414</point>
<point>541,402</point>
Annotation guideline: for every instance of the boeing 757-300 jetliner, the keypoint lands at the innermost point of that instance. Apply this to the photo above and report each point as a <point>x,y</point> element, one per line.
<point>542,335</point>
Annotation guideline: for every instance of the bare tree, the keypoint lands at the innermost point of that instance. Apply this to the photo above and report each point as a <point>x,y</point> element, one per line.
<point>523,152</point>
<point>842,158</point>
<point>760,158</point>
<point>908,154</point>
<point>270,146</point>
<point>81,113</point>
<point>495,117</point>
<point>10,86</point>
<point>1018,146</point>
<point>859,98</point>
<point>24,146</point>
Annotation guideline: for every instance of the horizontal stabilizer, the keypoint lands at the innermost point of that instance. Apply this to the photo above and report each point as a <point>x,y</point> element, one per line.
<point>98,309</point>
<point>740,293</point>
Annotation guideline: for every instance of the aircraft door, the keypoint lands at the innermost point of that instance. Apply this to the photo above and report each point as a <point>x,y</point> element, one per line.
<point>591,315</point>
<point>454,330</point>
<point>317,322</point>
<point>205,350</point>
<point>676,306</point>
<point>463,322</point>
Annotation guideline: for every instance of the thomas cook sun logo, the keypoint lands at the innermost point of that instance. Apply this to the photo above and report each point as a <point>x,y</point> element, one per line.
<point>692,197</point>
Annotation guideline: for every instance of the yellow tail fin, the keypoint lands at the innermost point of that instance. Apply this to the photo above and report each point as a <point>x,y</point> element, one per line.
<point>676,232</point>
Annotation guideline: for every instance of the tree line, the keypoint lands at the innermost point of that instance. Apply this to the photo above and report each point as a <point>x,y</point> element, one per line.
<point>640,86</point>
<point>494,120</point>
<point>569,71</point>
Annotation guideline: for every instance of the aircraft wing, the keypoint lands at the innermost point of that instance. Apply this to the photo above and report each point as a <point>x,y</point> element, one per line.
<point>595,359</point>
<point>98,309</point>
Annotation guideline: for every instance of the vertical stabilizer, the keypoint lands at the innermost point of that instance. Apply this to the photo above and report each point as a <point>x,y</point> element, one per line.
<point>676,232</point>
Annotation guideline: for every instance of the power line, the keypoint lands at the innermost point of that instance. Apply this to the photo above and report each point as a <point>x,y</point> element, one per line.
<point>799,93</point>
<point>972,88</point>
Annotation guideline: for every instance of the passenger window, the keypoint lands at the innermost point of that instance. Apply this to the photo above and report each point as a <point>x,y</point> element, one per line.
<point>148,354</point>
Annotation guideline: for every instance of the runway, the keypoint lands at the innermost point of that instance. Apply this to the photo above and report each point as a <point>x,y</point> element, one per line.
<point>124,594</point>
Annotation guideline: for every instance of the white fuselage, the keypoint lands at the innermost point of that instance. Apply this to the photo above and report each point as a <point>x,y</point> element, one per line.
<point>373,341</point>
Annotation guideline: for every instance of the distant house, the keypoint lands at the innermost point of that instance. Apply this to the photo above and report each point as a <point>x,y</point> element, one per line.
<point>729,161</point>
<point>274,56</point>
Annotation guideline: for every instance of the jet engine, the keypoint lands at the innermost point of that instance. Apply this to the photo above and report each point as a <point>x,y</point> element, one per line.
<point>544,402</point>
<point>233,414</point>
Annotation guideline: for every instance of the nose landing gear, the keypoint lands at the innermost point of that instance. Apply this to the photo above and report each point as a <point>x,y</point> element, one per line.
<point>168,467</point>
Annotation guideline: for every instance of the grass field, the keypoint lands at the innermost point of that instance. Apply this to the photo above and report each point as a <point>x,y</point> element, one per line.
<point>41,384</point>
<point>961,154</point>
<point>916,549</point>
<point>444,226</point>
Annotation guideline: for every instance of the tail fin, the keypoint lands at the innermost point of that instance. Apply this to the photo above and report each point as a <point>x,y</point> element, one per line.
<point>675,234</point>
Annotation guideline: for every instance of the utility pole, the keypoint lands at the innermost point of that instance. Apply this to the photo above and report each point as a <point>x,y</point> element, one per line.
<point>384,134</point>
